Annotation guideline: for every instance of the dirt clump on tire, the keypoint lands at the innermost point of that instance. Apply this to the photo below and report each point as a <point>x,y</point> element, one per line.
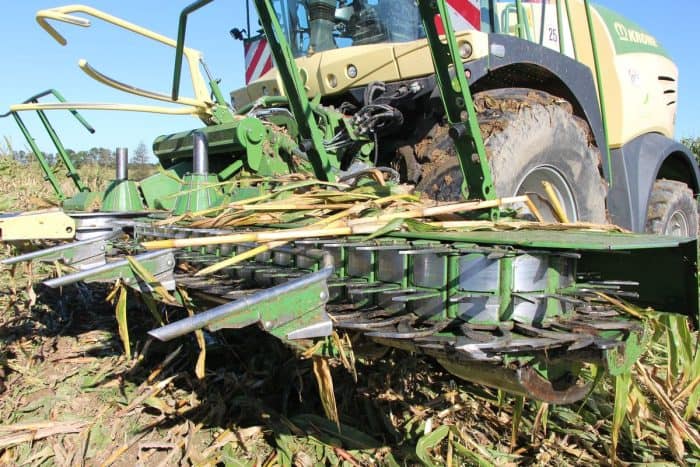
<point>523,130</point>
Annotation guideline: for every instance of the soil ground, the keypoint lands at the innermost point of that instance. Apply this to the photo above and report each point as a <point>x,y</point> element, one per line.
<point>70,396</point>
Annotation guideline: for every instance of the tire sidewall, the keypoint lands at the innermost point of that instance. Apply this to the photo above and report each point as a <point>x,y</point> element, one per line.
<point>548,137</point>
<point>668,197</point>
<point>535,136</point>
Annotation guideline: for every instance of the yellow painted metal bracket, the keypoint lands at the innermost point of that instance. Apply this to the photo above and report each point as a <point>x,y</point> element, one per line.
<point>38,225</point>
<point>105,106</point>
<point>199,106</point>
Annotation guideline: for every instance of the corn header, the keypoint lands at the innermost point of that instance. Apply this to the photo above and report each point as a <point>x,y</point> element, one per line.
<point>299,214</point>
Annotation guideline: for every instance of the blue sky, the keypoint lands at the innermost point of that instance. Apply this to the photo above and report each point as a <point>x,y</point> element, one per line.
<point>33,62</point>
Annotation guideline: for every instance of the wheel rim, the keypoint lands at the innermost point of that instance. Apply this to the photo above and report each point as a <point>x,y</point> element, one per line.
<point>531,184</point>
<point>677,225</point>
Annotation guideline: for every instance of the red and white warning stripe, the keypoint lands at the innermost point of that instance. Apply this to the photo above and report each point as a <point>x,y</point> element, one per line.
<point>465,14</point>
<point>258,58</point>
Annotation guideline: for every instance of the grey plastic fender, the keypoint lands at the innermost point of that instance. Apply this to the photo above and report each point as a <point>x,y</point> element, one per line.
<point>636,167</point>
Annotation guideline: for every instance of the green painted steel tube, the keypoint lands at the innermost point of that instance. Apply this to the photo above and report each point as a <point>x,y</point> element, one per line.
<point>180,47</point>
<point>543,21</point>
<point>519,16</point>
<point>560,28</point>
<point>59,97</point>
<point>452,285</point>
<point>571,28</point>
<point>457,101</point>
<point>216,91</point>
<point>505,289</point>
<point>264,101</point>
<point>310,134</point>
<point>601,93</point>
<point>493,16</point>
<point>61,150</point>
<point>62,153</point>
<point>554,307</point>
<point>48,173</point>
<point>247,17</point>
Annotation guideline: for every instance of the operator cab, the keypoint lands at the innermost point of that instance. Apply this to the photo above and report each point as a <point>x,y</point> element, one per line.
<point>335,34</point>
<point>320,25</point>
<point>313,26</point>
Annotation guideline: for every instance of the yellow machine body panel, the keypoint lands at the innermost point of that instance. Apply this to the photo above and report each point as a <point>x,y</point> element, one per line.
<point>639,79</point>
<point>376,62</point>
<point>37,225</point>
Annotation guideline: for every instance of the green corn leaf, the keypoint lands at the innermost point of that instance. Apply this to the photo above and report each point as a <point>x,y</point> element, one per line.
<point>517,418</point>
<point>200,366</point>
<point>429,441</point>
<point>121,321</point>
<point>7,203</point>
<point>306,184</point>
<point>285,451</point>
<point>388,228</point>
<point>621,362</point>
<point>694,399</point>
<point>152,308</point>
<point>466,453</point>
<point>501,399</point>
<point>146,276</point>
<point>671,345</point>
<point>417,226</point>
<point>352,438</point>
<point>684,343</point>
<point>622,386</point>
<point>598,374</point>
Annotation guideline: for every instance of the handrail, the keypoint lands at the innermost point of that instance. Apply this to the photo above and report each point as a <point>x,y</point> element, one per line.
<point>180,45</point>
<point>59,97</point>
<point>194,57</point>
<point>55,139</point>
<point>601,94</point>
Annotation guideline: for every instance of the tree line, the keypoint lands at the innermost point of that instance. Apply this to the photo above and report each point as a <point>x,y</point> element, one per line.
<point>693,144</point>
<point>139,156</point>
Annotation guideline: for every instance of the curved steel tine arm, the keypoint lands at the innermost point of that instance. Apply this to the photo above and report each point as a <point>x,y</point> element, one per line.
<point>118,85</point>
<point>64,14</point>
<point>43,15</point>
<point>183,110</point>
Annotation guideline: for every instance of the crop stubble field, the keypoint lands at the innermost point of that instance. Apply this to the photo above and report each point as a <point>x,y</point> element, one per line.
<point>70,396</point>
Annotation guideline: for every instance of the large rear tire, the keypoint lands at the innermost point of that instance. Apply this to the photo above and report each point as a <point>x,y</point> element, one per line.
<point>672,210</point>
<point>530,137</point>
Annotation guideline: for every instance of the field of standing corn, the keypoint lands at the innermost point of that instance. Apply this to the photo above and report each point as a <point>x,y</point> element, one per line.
<point>75,392</point>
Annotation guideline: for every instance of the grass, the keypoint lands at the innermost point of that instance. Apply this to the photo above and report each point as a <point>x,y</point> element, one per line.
<point>71,396</point>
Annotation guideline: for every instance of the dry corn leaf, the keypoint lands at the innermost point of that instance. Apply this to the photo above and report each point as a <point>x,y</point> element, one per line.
<point>30,432</point>
<point>324,379</point>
